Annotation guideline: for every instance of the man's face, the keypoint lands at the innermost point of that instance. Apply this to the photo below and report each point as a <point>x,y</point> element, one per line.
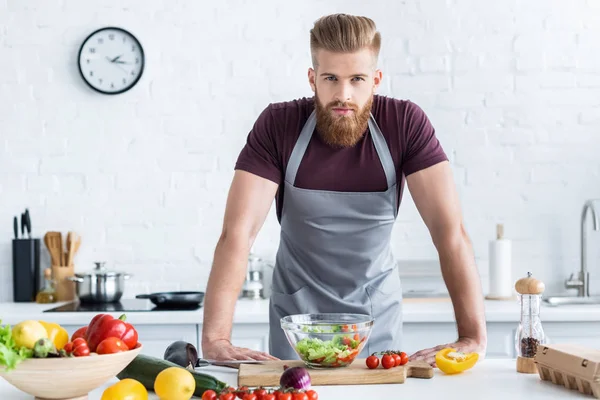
<point>344,85</point>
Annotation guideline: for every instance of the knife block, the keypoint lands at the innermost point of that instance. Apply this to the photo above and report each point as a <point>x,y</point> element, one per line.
<point>64,288</point>
<point>27,275</point>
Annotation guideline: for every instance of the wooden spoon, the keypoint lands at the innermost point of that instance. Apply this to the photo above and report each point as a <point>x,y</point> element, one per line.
<point>73,243</point>
<point>53,243</point>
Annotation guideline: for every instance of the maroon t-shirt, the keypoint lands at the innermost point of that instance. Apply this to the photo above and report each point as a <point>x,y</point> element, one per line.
<point>407,131</point>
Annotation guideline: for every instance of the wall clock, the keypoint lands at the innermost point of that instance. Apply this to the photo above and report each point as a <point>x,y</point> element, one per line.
<point>111,60</point>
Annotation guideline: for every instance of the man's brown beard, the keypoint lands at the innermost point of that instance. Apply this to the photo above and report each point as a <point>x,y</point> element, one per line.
<point>342,131</point>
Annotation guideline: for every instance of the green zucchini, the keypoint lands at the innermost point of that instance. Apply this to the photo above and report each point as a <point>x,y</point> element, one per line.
<point>145,369</point>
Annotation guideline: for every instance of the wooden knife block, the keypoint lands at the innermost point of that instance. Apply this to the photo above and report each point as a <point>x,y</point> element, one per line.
<point>65,289</point>
<point>572,366</point>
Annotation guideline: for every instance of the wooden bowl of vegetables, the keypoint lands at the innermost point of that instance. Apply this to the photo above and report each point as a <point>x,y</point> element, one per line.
<point>34,363</point>
<point>68,378</point>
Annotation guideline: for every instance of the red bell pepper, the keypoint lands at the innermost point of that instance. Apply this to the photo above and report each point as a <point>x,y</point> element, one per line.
<point>103,326</point>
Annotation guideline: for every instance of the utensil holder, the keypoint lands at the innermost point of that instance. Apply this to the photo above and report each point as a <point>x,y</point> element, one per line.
<point>27,275</point>
<point>64,288</point>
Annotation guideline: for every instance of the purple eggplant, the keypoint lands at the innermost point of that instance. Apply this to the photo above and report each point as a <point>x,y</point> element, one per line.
<point>182,353</point>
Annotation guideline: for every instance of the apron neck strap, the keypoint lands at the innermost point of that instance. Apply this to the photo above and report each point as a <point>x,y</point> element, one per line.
<point>381,147</point>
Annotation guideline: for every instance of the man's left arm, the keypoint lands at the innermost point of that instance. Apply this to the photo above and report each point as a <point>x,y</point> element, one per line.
<point>435,196</point>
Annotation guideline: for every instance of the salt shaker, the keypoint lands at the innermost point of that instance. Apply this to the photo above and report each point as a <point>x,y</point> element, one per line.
<point>530,332</point>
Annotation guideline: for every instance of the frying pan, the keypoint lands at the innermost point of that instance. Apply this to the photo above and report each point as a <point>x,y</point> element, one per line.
<point>174,299</point>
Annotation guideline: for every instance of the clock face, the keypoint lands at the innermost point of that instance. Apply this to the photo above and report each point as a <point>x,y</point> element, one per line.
<point>111,60</point>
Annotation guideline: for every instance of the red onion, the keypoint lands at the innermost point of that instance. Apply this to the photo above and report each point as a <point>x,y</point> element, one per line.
<point>295,377</point>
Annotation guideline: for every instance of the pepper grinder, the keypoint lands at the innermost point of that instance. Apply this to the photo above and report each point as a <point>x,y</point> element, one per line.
<point>530,333</point>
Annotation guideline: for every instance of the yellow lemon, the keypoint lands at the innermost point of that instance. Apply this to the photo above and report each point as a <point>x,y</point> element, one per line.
<point>174,383</point>
<point>126,389</point>
<point>28,332</point>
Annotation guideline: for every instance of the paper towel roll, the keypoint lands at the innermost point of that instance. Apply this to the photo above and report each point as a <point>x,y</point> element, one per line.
<point>500,268</point>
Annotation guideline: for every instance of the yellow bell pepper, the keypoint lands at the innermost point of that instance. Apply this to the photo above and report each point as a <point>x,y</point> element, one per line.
<point>56,333</point>
<point>450,361</point>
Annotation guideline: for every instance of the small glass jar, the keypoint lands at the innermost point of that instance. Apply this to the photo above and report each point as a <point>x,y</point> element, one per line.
<point>530,332</point>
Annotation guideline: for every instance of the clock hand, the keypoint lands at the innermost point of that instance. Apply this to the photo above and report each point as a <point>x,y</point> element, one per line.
<point>116,58</point>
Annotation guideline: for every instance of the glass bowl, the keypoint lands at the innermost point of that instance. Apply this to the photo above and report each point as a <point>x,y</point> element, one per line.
<point>327,340</point>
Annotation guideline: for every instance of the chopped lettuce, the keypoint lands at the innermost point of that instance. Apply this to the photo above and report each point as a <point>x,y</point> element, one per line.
<point>329,352</point>
<point>10,355</point>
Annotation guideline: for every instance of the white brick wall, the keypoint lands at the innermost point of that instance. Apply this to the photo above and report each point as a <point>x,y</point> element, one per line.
<point>513,90</point>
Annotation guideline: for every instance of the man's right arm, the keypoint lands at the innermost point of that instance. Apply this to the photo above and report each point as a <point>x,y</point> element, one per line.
<point>248,203</point>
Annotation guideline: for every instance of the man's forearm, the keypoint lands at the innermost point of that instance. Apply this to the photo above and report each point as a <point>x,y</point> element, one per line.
<point>462,280</point>
<point>223,288</point>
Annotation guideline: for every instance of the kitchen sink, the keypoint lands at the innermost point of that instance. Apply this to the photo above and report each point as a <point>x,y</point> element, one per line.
<point>571,300</point>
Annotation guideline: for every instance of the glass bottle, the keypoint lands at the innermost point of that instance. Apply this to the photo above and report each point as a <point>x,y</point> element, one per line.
<point>47,294</point>
<point>530,332</point>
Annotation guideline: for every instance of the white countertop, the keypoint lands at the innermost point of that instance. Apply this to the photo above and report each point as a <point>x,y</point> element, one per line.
<point>250,311</point>
<point>489,379</point>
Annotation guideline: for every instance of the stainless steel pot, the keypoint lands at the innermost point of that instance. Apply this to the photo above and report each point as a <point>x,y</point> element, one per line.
<point>100,286</point>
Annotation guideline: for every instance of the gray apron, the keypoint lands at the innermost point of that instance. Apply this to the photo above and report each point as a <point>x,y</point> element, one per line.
<point>335,255</point>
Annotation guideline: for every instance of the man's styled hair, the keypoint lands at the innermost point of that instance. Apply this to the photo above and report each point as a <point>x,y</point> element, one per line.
<point>343,33</point>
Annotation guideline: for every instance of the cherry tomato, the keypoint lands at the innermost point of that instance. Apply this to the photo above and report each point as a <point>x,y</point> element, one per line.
<point>284,396</point>
<point>299,396</point>
<point>227,396</point>
<point>312,395</point>
<point>249,396</point>
<point>209,395</point>
<point>397,359</point>
<point>260,392</point>
<point>111,345</point>
<point>241,391</point>
<point>269,396</point>
<point>387,361</point>
<point>372,362</point>
<point>404,358</point>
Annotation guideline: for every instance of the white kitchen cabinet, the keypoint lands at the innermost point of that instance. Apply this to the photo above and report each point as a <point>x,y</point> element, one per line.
<point>156,338</point>
<point>584,333</point>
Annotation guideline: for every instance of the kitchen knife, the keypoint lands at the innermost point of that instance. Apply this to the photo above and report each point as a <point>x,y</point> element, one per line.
<point>28,223</point>
<point>16,227</point>
<point>23,224</point>
<point>229,363</point>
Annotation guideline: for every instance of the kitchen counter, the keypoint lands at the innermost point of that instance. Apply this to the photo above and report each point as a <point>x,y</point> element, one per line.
<point>490,379</point>
<point>250,311</point>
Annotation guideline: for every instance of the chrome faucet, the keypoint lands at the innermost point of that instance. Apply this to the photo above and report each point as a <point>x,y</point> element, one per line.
<point>582,283</point>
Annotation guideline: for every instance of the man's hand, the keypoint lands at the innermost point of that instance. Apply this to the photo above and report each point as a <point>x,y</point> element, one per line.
<point>464,345</point>
<point>223,350</point>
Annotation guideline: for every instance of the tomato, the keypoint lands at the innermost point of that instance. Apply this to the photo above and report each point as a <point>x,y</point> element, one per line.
<point>299,396</point>
<point>249,396</point>
<point>404,358</point>
<point>269,396</point>
<point>372,362</point>
<point>284,396</point>
<point>259,392</point>
<point>397,359</point>
<point>387,361</point>
<point>111,345</point>
<point>227,396</point>
<point>241,391</point>
<point>312,395</point>
<point>78,347</point>
<point>79,333</point>
<point>209,395</point>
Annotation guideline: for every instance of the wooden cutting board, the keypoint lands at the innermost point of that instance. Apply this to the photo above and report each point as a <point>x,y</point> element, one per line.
<point>269,372</point>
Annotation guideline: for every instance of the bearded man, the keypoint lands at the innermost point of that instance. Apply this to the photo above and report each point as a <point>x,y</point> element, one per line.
<point>336,165</point>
